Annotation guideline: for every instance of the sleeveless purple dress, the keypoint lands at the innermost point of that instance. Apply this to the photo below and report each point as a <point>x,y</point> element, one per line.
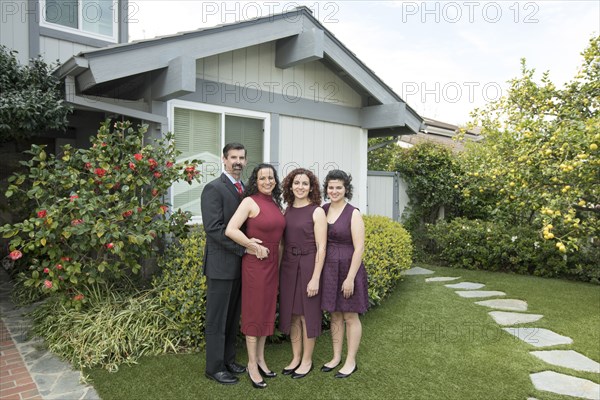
<point>260,278</point>
<point>297,267</point>
<point>337,265</point>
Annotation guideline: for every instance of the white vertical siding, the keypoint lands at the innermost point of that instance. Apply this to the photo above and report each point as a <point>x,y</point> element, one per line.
<point>255,65</point>
<point>55,49</point>
<point>380,198</point>
<point>14,31</point>
<point>323,146</point>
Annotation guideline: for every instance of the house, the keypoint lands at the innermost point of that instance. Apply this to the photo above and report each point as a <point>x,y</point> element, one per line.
<point>441,133</point>
<point>283,85</point>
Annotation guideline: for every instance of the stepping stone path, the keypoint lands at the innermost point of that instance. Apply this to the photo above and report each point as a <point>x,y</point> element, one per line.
<point>539,337</point>
<point>568,359</point>
<point>465,285</point>
<point>548,380</point>
<point>512,318</point>
<point>479,293</point>
<point>551,381</point>
<point>442,279</point>
<point>418,271</point>
<point>504,304</point>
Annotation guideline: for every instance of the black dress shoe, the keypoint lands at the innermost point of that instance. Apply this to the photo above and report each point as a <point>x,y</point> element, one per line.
<point>325,368</point>
<point>296,375</point>
<point>290,370</point>
<point>264,374</point>
<point>223,377</point>
<point>340,375</point>
<point>235,368</point>
<point>257,385</point>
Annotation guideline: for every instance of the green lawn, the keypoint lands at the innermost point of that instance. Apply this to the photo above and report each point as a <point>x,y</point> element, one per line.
<point>424,342</point>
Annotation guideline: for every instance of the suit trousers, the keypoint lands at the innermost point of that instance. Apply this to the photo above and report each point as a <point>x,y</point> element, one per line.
<point>223,307</point>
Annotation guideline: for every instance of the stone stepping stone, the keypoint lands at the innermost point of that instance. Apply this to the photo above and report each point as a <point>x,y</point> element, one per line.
<point>465,285</point>
<point>504,304</point>
<point>442,279</point>
<point>513,318</point>
<point>554,382</point>
<point>569,359</point>
<point>479,293</point>
<point>539,337</point>
<point>418,271</point>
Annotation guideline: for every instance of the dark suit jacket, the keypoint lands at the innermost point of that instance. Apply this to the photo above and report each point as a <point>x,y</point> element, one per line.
<point>222,256</point>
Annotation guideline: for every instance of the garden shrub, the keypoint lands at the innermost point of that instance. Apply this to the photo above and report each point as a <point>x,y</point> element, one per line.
<point>182,286</point>
<point>113,327</point>
<point>99,211</point>
<point>476,244</point>
<point>388,251</point>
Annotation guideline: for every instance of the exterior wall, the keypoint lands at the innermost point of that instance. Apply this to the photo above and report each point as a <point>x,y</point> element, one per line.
<point>255,67</point>
<point>14,31</point>
<point>54,49</point>
<point>323,146</point>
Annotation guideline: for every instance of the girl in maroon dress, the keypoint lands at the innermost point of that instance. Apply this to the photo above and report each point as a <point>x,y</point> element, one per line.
<point>305,240</point>
<point>345,292</point>
<point>261,212</point>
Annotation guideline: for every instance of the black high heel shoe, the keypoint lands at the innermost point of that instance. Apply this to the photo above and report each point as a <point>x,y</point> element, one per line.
<point>289,371</point>
<point>296,375</point>
<point>257,385</point>
<point>264,374</point>
<point>325,368</point>
<point>340,375</point>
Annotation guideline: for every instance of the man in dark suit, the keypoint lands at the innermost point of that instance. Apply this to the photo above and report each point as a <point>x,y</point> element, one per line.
<point>222,267</point>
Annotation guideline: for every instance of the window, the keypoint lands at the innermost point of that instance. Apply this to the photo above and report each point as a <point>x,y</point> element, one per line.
<point>93,18</point>
<point>200,132</point>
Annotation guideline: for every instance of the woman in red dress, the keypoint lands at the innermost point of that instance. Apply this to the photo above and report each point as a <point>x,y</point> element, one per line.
<point>305,241</point>
<point>261,212</point>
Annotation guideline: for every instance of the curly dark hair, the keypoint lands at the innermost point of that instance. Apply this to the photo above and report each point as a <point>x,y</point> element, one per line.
<point>315,192</point>
<point>338,175</point>
<point>252,186</point>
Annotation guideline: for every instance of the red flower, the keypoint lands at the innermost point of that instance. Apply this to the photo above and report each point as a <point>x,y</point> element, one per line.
<point>76,222</point>
<point>59,266</point>
<point>46,270</point>
<point>65,259</point>
<point>138,156</point>
<point>139,209</point>
<point>157,174</point>
<point>41,214</point>
<point>88,165</point>
<point>72,198</point>
<point>164,208</point>
<point>78,297</point>
<point>154,192</point>
<point>190,168</point>
<point>169,164</point>
<point>15,255</point>
<point>110,245</point>
<point>153,163</point>
<point>132,166</point>
<point>48,284</point>
<point>100,172</point>
<point>127,213</point>
<point>103,144</point>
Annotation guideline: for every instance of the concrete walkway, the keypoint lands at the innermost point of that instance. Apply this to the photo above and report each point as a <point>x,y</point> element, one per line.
<point>27,369</point>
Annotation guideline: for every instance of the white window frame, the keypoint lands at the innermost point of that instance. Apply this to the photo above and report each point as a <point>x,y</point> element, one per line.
<point>79,31</point>
<point>223,111</point>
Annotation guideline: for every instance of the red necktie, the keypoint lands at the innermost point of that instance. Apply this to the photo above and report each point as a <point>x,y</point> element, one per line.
<point>238,185</point>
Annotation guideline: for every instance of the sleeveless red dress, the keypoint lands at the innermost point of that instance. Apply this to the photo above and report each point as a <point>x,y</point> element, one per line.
<point>260,278</point>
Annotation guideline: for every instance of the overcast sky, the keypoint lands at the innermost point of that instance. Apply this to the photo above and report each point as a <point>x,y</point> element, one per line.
<point>442,57</point>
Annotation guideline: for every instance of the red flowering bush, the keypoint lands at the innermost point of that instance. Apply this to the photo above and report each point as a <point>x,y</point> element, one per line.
<point>99,210</point>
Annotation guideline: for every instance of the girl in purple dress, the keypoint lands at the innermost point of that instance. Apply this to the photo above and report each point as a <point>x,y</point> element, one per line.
<point>305,240</point>
<point>345,292</point>
<point>261,212</point>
